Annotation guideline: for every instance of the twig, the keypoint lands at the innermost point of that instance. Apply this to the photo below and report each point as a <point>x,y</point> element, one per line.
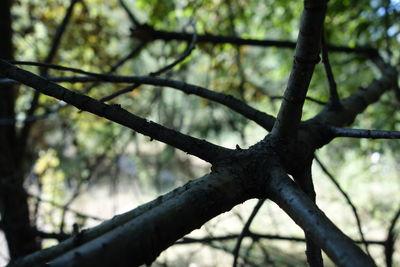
<point>184,55</point>
<point>190,240</point>
<point>63,207</point>
<point>334,96</point>
<point>245,231</point>
<point>390,240</point>
<point>152,34</point>
<point>132,18</point>
<point>56,108</point>
<point>349,202</point>
<point>261,118</point>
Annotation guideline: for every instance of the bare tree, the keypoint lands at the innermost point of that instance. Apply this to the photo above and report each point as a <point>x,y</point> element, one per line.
<point>261,171</point>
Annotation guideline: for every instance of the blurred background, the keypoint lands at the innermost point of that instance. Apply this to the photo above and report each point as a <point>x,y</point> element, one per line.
<point>79,169</point>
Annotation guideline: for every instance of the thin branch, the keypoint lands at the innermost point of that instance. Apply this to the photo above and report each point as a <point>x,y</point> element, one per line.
<point>59,33</point>
<point>147,32</point>
<point>200,148</point>
<point>182,57</point>
<point>256,236</point>
<point>245,231</point>
<point>334,96</point>
<point>391,239</point>
<point>24,133</point>
<point>119,63</point>
<point>341,249</point>
<point>305,59</point>
<point>55,67</point>
<point>349,202</point>
<point>362,133</point>
<point>305,182</point>
<point>132,18</point>
<point>261,118</point>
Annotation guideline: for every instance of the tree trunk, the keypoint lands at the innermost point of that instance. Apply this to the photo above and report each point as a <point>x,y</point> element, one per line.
<point>14,208</point>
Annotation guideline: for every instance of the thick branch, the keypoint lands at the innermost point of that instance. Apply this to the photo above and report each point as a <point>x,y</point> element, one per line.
<point>155,225</point>
<point>325,234</point>
<point>306,56</point>
<point>200,148</point>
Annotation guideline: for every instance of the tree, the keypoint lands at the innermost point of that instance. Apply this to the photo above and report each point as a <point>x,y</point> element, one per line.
<point>260,171</point>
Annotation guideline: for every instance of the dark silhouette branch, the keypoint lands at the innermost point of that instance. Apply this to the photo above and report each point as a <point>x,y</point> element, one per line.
<point>147,32</point>
<point>357,102</point>
<point>154,224</point>
<point>135,51</point>
<point>182,57</point>
<point>132,18</point>
<point>334,99</point>
<point>323,232</point>
<point>24,133</point>
<point>305,182</point>
<point>257,236</point>
<point>391,239</point>
<point>245,231</point>
<point>200,148</point>
<point>362,133</point>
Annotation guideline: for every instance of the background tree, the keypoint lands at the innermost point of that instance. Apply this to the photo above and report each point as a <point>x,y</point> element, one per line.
<point>38,156</point>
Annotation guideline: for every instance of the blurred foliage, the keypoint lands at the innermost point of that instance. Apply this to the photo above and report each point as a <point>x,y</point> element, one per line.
<point>71,150</point>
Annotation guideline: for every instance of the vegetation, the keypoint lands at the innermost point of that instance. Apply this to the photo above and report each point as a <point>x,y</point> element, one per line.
<point>257,98</point>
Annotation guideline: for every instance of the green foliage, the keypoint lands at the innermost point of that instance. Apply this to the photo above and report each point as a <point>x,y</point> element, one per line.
<point>73,149</point>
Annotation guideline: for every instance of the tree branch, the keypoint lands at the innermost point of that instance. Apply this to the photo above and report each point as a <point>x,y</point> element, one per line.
<point>362,98</point>
<point>333,96</point>
<point>349,202</point>
<point>325,234</point>
<point>132,18</point>
<point>200,148</point>
<point>154,224</point>
<point>182,57</point>
<point>391,239</point>
<point>245,231</point>
<point>147,32</point>
<point>261,118</point>
<point>361,133</point>
<point>305,59</point>
<point>305,182</point>
<point>24,133</point>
